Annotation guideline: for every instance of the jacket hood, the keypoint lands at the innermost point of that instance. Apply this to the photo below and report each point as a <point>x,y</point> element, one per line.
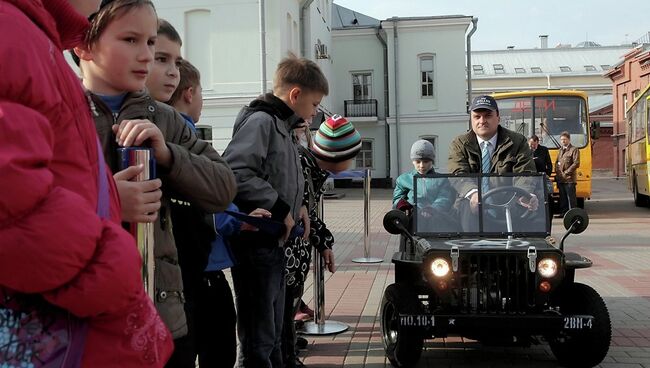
<point>272,105</point>
<point>57,18</point>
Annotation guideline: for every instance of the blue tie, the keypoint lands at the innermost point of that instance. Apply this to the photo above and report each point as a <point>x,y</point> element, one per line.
<point>485,165</point>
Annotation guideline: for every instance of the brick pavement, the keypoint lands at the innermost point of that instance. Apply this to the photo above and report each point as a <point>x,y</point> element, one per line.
<point>617,241</point>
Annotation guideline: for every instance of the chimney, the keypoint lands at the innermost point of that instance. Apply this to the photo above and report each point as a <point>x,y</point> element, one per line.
<point>543,39</point>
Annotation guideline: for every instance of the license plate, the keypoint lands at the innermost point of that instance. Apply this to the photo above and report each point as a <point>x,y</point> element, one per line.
<point>416,320</point>
<point>578,323</point>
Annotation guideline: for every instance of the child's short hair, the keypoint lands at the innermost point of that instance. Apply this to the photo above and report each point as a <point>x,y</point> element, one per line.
<point>565,134</point>
<point>166,29</point>
<point>301,72</point>
<point>105,15</point>
<point>190,77</point>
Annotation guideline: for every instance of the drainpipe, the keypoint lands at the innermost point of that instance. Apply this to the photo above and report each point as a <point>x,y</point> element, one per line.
<point>304,5</point>
<point>395,57</point>
<point>381,36</point>
<point>469,66</point>
<point>262,10</point>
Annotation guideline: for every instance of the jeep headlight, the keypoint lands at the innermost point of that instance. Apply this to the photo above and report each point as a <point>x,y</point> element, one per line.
<point>547,267</point>
<point>440,267</point>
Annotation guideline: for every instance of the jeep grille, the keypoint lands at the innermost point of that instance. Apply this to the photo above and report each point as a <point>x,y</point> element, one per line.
<point>493,284</point>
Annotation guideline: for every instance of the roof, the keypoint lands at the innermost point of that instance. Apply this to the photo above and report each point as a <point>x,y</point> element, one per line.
<point>343,17</point>
<point>531,62</point>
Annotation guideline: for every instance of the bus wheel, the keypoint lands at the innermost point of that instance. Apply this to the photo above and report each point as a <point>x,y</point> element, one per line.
<point>580,202</point>
<point>640,200</point>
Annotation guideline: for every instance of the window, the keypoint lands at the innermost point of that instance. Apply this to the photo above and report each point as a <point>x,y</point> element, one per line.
<point>478,69</point>
<point>498,69</point>
<point>362,86</point>
<point>536,69</point>
<point>625,105</point>
<point>198,36</point>
<point>364,157</point>
<point>605,67</point>
<point>565,69</point>
<point>590,68</point>
<point>433,139</point>
<point>426,76</point>
<point>520,70</point>
<point>204,132</point>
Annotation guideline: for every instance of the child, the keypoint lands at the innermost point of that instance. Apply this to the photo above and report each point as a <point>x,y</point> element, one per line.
<point>164,75</point>
<point>188,97</point>
<point>115,61</point>
<point>336,144</point>
<point>436,194</point>
<point>269,175</point>
<point>53,241</point>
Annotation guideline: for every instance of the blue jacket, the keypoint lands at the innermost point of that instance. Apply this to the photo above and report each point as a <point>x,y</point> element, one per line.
<point>436,193</point>
<point>220,255</point>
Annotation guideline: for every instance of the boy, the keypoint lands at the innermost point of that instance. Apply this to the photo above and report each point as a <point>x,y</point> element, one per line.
<point>188,97</point>
<point>436,193</point>
<point>164,75</point>
<point>267,168</point>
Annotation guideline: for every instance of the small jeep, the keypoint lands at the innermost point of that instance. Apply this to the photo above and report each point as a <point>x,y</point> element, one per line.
<point>489,273</point>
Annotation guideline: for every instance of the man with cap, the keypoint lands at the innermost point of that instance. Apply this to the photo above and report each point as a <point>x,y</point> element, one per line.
<point>436,194</point>
<point>488,148</point>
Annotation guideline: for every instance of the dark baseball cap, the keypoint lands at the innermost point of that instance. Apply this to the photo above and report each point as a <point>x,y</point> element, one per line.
<point>484,102</point>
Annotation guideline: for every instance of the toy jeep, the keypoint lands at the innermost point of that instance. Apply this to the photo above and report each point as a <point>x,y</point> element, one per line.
<point>489,273</point>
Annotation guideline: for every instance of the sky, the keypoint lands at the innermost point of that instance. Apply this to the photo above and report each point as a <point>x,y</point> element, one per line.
<point>519,23</point>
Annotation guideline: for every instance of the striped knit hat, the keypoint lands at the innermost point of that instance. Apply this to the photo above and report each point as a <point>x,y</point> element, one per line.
<point>336,140</point>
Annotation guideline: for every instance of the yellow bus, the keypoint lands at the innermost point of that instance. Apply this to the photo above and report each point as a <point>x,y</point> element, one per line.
<point>546,114</point>
<point>637,151</point>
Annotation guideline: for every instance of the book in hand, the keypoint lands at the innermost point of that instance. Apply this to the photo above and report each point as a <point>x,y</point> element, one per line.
<point>267,225</point>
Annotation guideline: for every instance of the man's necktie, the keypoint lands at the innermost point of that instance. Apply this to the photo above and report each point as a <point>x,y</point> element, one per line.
<point>485,165</point>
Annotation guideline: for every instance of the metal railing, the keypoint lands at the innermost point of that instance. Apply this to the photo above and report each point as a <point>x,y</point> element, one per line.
<point>360,108</point>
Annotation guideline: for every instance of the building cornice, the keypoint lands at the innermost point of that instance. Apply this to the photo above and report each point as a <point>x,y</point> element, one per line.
<point>426,22</point>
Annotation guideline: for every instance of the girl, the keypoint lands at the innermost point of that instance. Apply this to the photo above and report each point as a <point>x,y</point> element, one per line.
<point>52,240</point>
<point>336,143</point>
<point>115,61</point>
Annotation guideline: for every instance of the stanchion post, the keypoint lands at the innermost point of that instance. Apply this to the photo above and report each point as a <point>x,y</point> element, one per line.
<point>320,326</point>
<point>366,223</point>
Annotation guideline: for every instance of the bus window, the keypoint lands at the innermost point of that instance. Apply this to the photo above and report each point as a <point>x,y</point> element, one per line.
<point>516,114</point>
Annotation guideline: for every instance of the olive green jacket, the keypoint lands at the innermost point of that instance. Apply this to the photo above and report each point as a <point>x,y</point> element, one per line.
<point>197,173</point>
<point>511,155</point>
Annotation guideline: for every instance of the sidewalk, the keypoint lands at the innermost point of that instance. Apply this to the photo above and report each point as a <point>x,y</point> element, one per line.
<point>353,294</point>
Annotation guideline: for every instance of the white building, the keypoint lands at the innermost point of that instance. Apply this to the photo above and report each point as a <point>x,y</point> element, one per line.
<point>397,80</point>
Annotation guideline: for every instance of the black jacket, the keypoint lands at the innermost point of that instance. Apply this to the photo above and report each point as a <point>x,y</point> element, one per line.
<point>543,160</point>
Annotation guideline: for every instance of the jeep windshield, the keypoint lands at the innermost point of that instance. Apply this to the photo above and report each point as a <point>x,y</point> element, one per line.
<point>505,208</point>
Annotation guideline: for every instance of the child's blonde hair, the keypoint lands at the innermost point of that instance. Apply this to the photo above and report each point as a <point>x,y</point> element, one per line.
<point>301,72</point>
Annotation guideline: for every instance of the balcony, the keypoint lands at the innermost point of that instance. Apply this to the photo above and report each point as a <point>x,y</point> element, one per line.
<point>360,108</point>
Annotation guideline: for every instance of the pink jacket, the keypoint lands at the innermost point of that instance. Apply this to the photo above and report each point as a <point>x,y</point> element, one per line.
<point>51,240</point>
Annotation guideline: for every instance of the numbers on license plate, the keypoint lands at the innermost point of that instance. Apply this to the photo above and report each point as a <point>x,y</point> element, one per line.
<point>420,320</point>
<point>577,323</point>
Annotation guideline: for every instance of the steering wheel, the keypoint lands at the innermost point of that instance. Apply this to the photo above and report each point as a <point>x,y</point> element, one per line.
<point>514,193</point>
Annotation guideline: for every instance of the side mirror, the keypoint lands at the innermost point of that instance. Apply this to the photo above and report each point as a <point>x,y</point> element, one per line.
<point>395,222</point>
<point>595,130</point>
<point>576,220</point>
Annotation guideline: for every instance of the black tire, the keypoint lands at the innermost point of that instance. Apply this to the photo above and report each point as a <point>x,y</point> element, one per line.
<point>583,348</point>
<point>640,200</point>
<point>403,348</point>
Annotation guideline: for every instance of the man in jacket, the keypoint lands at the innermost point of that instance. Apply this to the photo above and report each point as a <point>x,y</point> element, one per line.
<point>487,148</point>
<point>568,161</point>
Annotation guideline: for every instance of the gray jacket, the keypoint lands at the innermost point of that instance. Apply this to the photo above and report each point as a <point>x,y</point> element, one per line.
<point>265,160</point>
